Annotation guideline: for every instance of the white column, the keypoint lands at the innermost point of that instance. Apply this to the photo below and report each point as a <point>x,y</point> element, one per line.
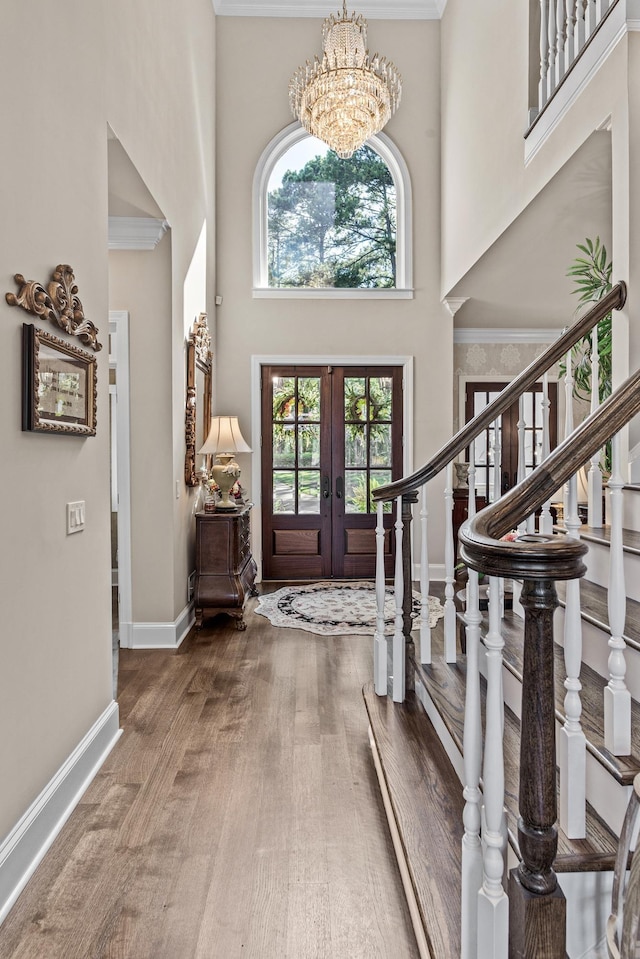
<point>449,606</point>
<point>398,678</point>
<point>571,742</point>
<point>578,30</point>
<point>617,699</point>
<point>493,904</point>
<point>594,484</point>
<point>544,53</point>
<point>425,629</point>
<point>568,39</point>
<point>472,747</point>
<point>546,519</point>
<point>379,638</point>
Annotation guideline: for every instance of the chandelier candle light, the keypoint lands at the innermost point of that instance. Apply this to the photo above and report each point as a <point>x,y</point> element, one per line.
<point>347,96</point>
<point>225,440</point>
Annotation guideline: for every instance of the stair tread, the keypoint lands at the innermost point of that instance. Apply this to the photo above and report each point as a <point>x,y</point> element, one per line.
<point>602,534</point>
<point>427,803</point>
<point>622,768</point>
<point>594,607</point>
<point>445,683</point>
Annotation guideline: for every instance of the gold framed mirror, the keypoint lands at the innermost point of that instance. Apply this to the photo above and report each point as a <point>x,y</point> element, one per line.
<point>198,407</point>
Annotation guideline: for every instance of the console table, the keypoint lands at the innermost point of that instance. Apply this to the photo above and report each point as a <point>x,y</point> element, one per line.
<point>225,569</point>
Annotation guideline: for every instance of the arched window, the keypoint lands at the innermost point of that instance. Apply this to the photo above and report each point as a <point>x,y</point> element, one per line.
<point>330,227</point>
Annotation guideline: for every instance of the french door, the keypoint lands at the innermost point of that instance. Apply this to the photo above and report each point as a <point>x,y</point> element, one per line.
<point>477,397</point>
<point>330,436</point>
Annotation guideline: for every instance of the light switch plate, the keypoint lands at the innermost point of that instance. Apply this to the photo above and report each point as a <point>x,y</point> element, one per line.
<point>75,516</point>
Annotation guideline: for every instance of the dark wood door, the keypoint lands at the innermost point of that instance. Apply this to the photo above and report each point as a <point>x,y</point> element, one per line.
<point>478,396</point>
<point>330,436</point>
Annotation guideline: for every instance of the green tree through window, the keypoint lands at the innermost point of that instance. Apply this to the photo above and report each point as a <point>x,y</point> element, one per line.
<point>332,223</point>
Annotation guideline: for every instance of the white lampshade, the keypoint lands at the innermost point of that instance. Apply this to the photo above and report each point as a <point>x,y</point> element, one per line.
<point>225,437</point>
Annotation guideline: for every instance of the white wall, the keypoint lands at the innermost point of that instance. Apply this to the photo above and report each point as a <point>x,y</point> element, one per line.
<point>73,68</point>
<point>255,59</point>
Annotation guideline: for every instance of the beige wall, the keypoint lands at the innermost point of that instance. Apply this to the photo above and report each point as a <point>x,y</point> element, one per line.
<point>255,60</point>
<point>148,71</point>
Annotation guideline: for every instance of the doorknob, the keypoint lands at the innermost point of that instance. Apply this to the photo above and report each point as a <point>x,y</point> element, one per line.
<point>326,487</point>
<point>339,487</point>
<point>505,482</point>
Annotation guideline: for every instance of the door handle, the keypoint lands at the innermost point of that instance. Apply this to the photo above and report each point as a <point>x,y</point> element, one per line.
<point>339,487</point>
<point>326,487</point>
<point>505,482</point>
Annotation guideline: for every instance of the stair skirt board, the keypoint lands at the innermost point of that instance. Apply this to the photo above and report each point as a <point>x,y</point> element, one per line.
<point>412,903</point>
<point>162,635</point>
<point>25,846</point>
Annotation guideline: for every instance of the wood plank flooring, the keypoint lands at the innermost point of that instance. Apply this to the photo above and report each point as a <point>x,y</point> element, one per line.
<point>238,816</point>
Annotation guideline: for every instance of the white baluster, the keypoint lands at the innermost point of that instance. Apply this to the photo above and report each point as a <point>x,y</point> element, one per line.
<point>578,30</point>
<point>601,8</point>
<point>568,415</point>
<point>379,639</point>
<point>559,41</point>
<point>544,53</point>
<point>546,519</point>
<point>568,38</point>
<point>425,629</point>
<point>551,32</point>
<point>472,747</point>
<point>449,606</point>
<point>589,18</point>
<point>398,679</point>
<point>493,904</point>
<point>617,699</point>
<point>524,526</point>
<point>497,461</point>
<point>595,476</point>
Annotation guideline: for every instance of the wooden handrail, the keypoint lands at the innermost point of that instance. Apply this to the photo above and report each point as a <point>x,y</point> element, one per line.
<point>614,300</point>
<point>538,556</point>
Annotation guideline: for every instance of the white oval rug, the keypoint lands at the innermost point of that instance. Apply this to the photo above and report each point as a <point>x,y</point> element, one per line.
<point>333,609</point>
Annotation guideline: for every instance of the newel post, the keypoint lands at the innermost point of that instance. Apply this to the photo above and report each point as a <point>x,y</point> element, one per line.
<point>408,499</point>
<point>537,907</point>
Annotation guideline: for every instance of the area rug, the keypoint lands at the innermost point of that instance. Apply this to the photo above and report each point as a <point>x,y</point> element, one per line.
<point>333,609</point>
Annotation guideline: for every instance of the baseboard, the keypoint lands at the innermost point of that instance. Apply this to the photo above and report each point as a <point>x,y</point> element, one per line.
<point>29,840</point>
<point>162,635</point>
<point>437,573</point>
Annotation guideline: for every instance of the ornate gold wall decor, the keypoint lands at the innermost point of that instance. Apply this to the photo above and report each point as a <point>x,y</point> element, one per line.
<point>198,394</point>
<point>59,303</point>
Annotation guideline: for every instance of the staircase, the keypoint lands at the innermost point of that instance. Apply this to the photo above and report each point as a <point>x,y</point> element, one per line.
<point>507,841</point>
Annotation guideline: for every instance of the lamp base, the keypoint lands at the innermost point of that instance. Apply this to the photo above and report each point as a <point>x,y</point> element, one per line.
<point>225,474</point>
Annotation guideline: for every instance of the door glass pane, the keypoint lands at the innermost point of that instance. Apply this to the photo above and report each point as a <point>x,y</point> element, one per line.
<point>284,491</point>
<point>355,398</point>
<point>527,406</point>
<point>380,396</point>
<point>381,445</point>
<point>355,492</point>
<point>379,478</point>
<point>355,445</point>
<point>309,398</point>
<point>284,445</point>
<point>308,445</point>
<point>284,397</point>
<point>309,491</point>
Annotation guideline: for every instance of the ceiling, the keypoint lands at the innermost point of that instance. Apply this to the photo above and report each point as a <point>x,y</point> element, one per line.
<point>372,9</point>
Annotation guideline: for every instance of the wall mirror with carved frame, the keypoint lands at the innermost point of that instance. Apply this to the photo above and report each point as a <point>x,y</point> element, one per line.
<point>198,407</point>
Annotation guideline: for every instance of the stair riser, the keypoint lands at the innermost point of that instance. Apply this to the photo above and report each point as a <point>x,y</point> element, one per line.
<point>631,509</point>
<point>597,562</point>
<point>605,794</point>
<point>595,652</point>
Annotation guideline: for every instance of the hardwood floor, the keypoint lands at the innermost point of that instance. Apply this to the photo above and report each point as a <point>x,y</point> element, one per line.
<point>238,815</point>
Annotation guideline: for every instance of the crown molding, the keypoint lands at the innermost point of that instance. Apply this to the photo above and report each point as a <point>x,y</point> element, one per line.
<point>371,9</point>
<point>496,335</point>
<point>135,232</point>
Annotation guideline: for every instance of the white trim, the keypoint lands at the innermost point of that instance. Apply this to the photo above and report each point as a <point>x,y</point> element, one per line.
<point>371,9</point>
<point>25,846</point>
<point>398,845</point>
<point>496,335</point>
<point>135,232</point>
<point>330,293</point>
<point>257,362</point>
<point>604,41</point>
<point>119,348</point>
<point>454,303</point>
<point>437,572</point>
<point>391,155</point>
<point>163,635</point>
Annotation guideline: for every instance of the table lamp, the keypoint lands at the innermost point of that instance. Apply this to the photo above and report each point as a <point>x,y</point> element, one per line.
<point>225,440</point>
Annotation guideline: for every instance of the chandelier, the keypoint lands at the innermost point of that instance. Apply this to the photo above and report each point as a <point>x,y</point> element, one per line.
<point>347,96</point>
